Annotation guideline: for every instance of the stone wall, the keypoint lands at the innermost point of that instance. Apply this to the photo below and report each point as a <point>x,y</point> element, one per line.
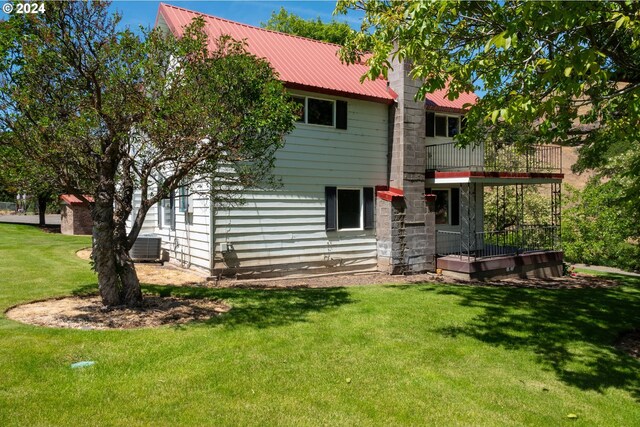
<point>405,230</point>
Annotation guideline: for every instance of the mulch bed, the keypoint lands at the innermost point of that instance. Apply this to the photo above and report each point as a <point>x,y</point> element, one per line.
<point>87,312</point>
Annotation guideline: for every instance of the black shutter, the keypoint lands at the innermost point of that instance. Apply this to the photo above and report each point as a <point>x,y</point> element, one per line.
<point>455,206</point>
<point>330,208</point>
<point>341,114</point>
<point>367,192</point>
<point>430,124</point>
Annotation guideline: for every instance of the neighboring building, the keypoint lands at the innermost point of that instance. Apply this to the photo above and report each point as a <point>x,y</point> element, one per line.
<point>75,215</point>
<point>355,172</point>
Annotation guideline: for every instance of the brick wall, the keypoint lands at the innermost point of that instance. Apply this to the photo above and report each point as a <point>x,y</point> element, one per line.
<point>76,219</point>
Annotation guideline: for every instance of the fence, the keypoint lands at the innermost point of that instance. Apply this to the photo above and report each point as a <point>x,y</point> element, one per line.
<point>486,244</point>
<point>7,206</point>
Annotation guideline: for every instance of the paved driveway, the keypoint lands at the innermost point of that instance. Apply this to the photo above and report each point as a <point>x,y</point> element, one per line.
<point>53,219</point>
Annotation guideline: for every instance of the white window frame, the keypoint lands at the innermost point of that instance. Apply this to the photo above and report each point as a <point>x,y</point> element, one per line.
<point>446,116</point>
<point>361,216</point>
<point>306,111</point>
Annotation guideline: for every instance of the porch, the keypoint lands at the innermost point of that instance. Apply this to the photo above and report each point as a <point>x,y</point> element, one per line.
<point>522,251</point>
<point>509,229</point>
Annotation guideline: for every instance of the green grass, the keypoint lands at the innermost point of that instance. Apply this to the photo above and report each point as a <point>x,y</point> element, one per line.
<point>420,354</point>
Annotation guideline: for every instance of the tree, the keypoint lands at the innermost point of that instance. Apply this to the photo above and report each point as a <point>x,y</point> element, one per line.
<point>113,112</point>
<point>286,22</point>
<point>601,227</point>
<point>568,71</point>
<point>23,176</point>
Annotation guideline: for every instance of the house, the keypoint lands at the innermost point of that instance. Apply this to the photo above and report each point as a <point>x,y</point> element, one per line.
<point>359,175</point>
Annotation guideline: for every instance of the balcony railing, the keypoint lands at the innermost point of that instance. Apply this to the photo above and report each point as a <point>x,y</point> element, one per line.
<point>494,158</point>
<point>488,244</point>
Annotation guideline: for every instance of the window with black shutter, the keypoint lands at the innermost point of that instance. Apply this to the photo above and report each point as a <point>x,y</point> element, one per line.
<point>349,208</point>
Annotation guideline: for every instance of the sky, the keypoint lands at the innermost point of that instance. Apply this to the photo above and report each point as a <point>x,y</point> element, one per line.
<point>136,13</point>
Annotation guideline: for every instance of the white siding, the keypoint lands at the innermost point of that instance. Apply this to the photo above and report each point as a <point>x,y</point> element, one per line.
<point>284,229</point>
<point>188,244</point>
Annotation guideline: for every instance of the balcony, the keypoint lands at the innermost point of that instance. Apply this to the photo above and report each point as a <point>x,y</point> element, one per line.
<point>546,159</point>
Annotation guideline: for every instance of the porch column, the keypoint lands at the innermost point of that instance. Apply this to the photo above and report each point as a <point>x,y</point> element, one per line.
<point>468,218</point>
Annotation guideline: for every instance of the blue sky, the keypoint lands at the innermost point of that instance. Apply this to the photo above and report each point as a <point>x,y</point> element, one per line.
<point>136,13</point>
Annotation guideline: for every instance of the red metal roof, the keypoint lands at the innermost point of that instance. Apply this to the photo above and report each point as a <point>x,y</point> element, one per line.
<point>70,199</point>
<point>302,63</point>
<point>438,101</point>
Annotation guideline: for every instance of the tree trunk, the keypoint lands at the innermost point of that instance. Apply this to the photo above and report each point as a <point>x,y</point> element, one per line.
<point>103,254</point>
<point>42,208</point>
<point>131,292</point>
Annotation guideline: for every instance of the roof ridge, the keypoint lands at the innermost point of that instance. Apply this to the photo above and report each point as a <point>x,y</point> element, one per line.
<point>250,26</point>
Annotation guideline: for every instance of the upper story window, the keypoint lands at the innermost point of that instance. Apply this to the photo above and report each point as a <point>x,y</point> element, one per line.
<point>442,125</point>
<point>322,112</point>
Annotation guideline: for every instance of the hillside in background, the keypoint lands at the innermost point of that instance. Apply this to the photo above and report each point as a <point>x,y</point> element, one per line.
<point>569,158</point>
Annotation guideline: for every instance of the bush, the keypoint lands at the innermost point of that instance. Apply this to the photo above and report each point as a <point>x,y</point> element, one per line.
<point>599,227</point>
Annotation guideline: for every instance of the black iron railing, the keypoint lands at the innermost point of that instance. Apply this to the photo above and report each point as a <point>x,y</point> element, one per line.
<point>487,244</point>
<point>495,158</point>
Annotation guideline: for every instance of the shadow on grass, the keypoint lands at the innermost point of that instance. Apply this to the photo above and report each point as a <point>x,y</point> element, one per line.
<point>262,308</point>
<point>571,331</point>
<point>255,307</point>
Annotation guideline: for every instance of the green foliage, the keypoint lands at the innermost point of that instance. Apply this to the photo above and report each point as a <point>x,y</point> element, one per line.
<point>535,60</point>
<point>501,209</point>
<point>601,226</point>
<point>102,107</point>
<point>290,23</point>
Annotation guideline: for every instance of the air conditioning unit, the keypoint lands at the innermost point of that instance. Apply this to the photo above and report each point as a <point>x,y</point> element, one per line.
<point>147,247</point>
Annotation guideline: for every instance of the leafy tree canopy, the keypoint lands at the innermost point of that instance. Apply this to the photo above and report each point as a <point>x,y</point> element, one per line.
<point>112,113</point>
<point>568,71</point>
<point>290,23</point>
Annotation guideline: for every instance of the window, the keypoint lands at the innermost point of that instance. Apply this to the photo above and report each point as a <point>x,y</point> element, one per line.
<point>442,206</point>
<point>348,208</point>
<point>183,198</point>
<point>322,112</point>
<point>441,125</point>
<point>447,206</point>
<point>166,216</point>
<point>301,104</point>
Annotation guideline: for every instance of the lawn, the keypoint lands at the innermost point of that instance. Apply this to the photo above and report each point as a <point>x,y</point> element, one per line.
<point>371,355</point>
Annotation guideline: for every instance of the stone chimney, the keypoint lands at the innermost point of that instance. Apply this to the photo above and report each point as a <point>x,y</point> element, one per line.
<point>405,230</point>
